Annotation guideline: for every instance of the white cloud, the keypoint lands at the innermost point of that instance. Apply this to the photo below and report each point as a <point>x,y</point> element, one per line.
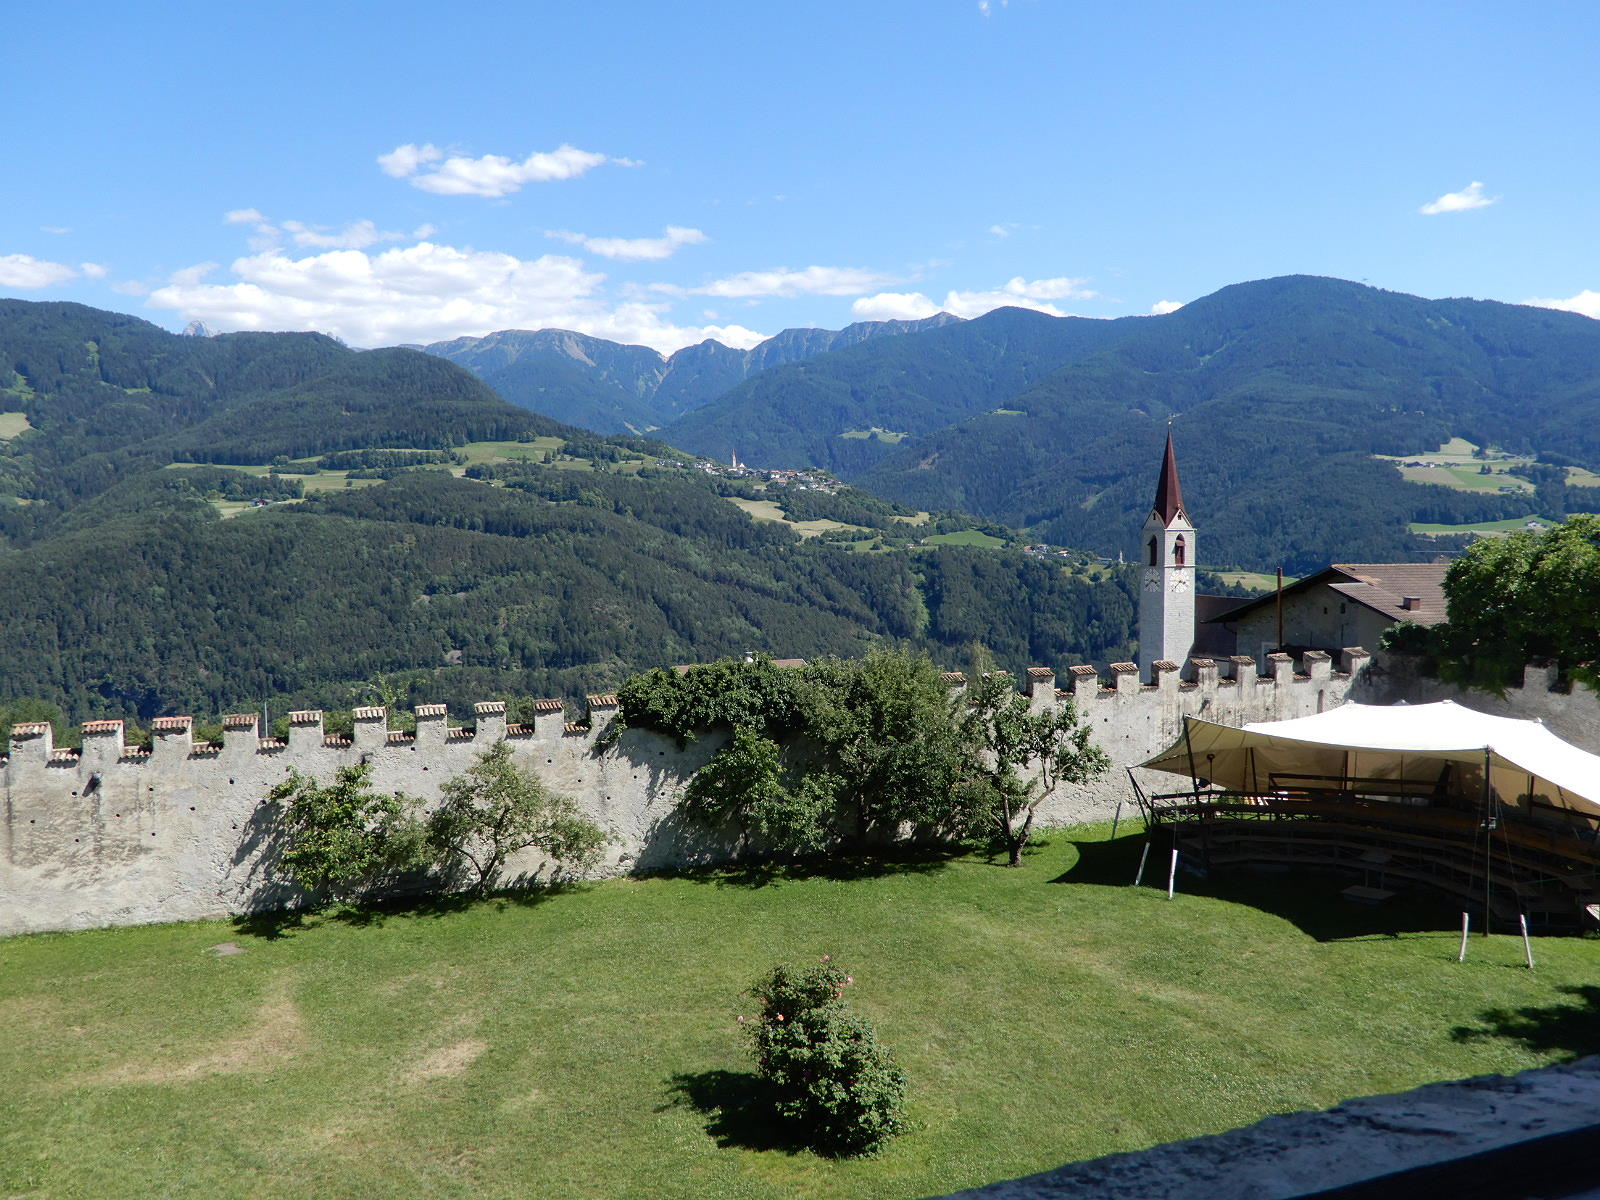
<point>987,7</point>
<point>781,281</point>
<point>191,276</point>
<point>425,293</point>
<point>1585,302</point>
<point>54,229</point>
<point>633,248</point>
<point>93,270</point>
<point>1467,198</point>
<point>1162,307</point>
<point>355,235</point>
<point>130,287</point>
<point>893,306</point>
<point>404,160</point>
<point>493,174</point>
<point>1015,293</point>
<point>24,272</point>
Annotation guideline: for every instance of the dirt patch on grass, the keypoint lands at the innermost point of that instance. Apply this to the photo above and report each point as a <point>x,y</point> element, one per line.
<point>446,1061</point>
<point>276,1033</point>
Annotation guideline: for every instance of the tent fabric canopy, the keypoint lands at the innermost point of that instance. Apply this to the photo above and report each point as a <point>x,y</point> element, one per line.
<point>1415,744</point>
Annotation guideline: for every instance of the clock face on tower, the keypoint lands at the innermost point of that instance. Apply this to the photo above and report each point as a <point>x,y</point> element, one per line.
<point>1152,581</point>
<point>1180,583</point>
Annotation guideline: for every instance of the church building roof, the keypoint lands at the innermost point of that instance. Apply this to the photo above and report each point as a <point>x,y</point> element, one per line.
<point>1169,493</point>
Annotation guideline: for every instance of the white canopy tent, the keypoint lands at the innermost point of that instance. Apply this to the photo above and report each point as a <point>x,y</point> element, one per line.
<point>1416,747</point>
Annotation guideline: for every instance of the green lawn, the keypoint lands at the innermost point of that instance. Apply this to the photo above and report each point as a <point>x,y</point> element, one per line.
<point>964,537</point>
<point>1258,581</point>
<point>579,1044</point>
<point>1483,528</point>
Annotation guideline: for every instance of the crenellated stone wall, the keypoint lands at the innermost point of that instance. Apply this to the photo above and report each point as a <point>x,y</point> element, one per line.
<point>113,835</point>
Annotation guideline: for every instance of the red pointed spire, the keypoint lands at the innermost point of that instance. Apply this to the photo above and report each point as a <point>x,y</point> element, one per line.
<point>1169,494</point>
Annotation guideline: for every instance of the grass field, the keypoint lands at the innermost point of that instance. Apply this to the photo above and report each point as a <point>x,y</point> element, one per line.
<point>883,435</point>
<point>13,424</point>
<point>964,537</point>
<point>584,1044</point>
<point>1482,528</point>
<point>1258,581</point>
<point>1452,465</point>
<point>771,510</point>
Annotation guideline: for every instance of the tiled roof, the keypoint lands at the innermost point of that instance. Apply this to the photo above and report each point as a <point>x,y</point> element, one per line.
<point>489,708</point>
<point>239,721</point>
<point>306,716</point>
<point>97,727</point>
<point>609,700</point>
<point>1382,587</point>
<point>171,724</point>
<point>547,706</point>
<point>1041,673</point>
<point>371,712</point>
<point>431,710</point>
<point>1124,668</point>
<point>953,678</point>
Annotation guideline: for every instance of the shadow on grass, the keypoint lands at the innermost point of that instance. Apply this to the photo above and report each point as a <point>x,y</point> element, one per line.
<point>738,1109</point>
<point>272,926</point>
<point>839,867</point>
<point>1569,1030</point>
<point>1310,900</point>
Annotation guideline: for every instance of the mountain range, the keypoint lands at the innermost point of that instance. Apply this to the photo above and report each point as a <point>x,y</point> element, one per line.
<point>615,388</point>
<point>203,524</point>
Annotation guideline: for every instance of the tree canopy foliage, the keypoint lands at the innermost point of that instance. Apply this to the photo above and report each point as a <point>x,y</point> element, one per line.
<point>1520,598</point>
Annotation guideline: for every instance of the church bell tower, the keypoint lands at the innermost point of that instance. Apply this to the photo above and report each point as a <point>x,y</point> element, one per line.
<point>1166,598</point>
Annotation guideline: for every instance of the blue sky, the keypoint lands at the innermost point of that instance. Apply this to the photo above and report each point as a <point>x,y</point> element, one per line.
<point>658,173</point>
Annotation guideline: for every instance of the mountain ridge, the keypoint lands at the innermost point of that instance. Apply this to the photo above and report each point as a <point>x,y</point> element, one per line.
<point>613,387</point>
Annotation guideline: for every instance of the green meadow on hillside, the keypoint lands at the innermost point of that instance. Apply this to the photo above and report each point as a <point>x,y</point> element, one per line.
<point>585,1043</point>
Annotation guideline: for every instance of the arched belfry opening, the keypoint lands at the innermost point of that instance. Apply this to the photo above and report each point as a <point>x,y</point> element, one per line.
<point>1180,548</point>
<point>1155,553</point>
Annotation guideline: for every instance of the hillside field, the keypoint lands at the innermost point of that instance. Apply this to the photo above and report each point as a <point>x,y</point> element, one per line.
<point>585,1043</point>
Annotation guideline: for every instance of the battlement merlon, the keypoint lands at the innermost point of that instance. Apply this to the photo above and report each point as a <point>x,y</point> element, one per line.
<point>172,740</point>
<point>305,730</point>
<point>1039,683</point>
<point>432,724</point>
<point>1281,668</point>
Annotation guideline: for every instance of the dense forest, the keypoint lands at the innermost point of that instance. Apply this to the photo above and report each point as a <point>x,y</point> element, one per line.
<point>556,583</point>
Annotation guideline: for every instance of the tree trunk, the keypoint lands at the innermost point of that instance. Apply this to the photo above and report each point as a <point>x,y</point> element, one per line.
<point>1016,853</point>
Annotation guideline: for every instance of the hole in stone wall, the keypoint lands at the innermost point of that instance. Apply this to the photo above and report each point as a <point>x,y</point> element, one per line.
<point>191,808</point>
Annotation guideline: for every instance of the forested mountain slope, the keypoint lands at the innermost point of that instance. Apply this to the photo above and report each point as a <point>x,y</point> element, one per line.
<point>613,388</point>
<point>1281,392</point>
<point>201,524</point>
<point>846,410</point>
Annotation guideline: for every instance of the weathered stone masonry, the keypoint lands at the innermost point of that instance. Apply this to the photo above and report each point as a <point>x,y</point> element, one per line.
<point>114,836</point>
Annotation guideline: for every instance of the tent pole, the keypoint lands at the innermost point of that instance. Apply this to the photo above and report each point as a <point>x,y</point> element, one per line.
<point>1488,844</point>
<point>1194,774</point>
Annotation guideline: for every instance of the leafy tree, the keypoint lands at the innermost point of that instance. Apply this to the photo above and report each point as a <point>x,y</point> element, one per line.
<point>1522,597</point>
<point>345,838</point>
<point>830,1076</point>
<point>744,784</point>
<point>1026,754</point>
<point>498,809</point>
<point>888,741</point>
